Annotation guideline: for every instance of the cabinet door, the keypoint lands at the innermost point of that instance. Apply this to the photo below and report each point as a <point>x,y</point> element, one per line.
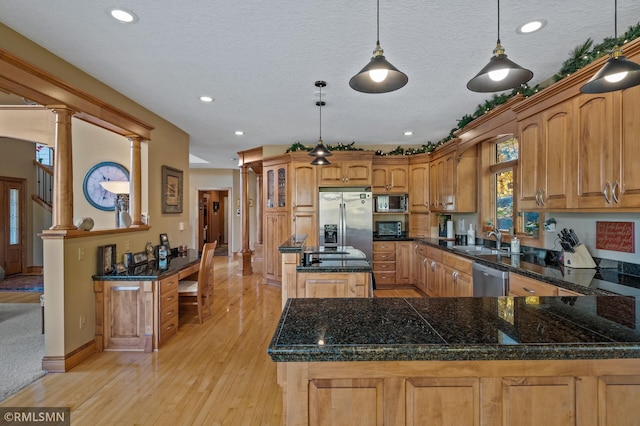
<point>125,315</point>
<point>403,263</point>
<point>556,172</point>
<point>594,150</point>
<point>419,188</point>
<point>443,401</point>
<point>346,402</point>
<point>530,166</point>
<point>305,223</point>
<point>434,200</point>
<point>434,273</point>
<point>448,185</point>
<point>463,285</point>
<point>330,175</point>
<point>419,225</point>
<point>539,401</point>
<point>357,173</point>
<point>304,196</point>
<point>628,177</point>
<point>448,283</point>
<point>398,178</point>
<point>276,232</point>
<point>379,180</point>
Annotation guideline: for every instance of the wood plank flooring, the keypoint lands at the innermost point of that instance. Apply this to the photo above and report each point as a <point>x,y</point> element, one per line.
<point>217,373</point>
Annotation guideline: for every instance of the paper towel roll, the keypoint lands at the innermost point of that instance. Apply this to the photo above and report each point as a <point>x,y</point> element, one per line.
<point>449,229</point>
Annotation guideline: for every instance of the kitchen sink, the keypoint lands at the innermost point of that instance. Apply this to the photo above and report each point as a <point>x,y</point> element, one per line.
<point>481,250</point>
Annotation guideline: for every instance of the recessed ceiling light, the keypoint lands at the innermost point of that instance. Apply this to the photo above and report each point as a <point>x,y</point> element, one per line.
<point>206,98</point>
<point>123,15</point>
<point>531,26</point>
<point>239,133</point>
<point>408,133</point>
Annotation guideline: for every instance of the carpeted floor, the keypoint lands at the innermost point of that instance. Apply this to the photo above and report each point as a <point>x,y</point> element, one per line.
<point>23,282</point>
<point>21,347</point>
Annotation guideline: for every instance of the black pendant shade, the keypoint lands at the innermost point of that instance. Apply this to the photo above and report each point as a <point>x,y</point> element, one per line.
<point>320,151</point>
<point>499,63</point>
<point>378,76</point>
<point>500,73</point>
<point>618,73</point>
<point>395,79</point>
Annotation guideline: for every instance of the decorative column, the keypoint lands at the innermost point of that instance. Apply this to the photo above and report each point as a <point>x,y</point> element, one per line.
<point>259,209</point>
<point>62,213</point>
<point>135,181</point>
<point>244,219</point>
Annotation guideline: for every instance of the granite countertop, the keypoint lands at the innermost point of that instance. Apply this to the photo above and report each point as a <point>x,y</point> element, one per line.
<point>150,271</point>
<point>453,329</point>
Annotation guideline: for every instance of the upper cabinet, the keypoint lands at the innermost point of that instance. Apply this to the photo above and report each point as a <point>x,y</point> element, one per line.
<point>390,175</point>
<point>304,196</point>
<point>346,169</point>
<point>275,187</point>
<point>545,158</point>
<point>453,179</point>
<point>607,150</point>
<point>419,184</point>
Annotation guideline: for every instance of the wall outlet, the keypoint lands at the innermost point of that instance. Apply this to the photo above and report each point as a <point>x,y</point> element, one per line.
<point>81,254</point>
<point>83,321</point>
<point>182,226</point>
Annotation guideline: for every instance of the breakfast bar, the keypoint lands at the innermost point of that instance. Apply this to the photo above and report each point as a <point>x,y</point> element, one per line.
<point>460,360</point>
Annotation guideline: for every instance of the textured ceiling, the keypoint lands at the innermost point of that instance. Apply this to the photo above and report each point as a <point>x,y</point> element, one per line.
<point>259,60</point>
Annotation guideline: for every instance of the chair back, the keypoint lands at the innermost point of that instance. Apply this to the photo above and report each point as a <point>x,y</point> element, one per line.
<point>205,275</point>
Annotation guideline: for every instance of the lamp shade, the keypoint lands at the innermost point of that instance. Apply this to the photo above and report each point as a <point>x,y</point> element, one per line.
<point>362,81</point>
<point>618,73</point>
<point>485,81</point>
<point>320,161</point>
<point>320,150</point>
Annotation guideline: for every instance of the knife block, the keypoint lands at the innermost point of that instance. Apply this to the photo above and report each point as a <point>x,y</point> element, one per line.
<point>580,259</point>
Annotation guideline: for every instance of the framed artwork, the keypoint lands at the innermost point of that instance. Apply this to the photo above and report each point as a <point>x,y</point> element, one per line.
<point>164,241</point>
<point>106,259</point>
<point>139,258</point>
<point>171,190</point>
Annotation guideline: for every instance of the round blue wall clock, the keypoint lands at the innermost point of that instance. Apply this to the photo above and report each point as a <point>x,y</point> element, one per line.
<point>95,194</point>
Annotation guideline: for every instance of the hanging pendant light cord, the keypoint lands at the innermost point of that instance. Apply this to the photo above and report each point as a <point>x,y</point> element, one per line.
<point>498,21</point>
<point>378,23</point>
<point>320,105</point>
<point>615,20</point>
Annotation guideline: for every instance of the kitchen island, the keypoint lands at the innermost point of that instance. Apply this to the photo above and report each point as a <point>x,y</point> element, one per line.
<point>317,272</point>
<point>490,361</point>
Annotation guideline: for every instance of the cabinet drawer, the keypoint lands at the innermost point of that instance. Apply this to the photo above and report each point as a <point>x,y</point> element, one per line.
<point>434,253</point>
<point>169,312</point>
<point>168,329</point>
<point>421,249</point>
<point>384,256</point>
<point>168,285</point>
<point>384,278</point>
<point>524,286</point>
<point>384,246</point>
<point>456,262</point>
<point>384,266</point>
<point>167,299</point>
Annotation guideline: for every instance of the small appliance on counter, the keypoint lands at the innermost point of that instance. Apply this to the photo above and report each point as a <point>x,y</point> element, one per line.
<point>388,229</point>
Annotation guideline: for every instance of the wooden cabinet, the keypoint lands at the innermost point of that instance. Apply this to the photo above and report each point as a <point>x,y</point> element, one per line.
<point>276,232</point>
<point>419,187</point>
<point>168,308</point>
<point>404,258</point>
<point>457,280</point>
<point>304,201</point>
<point>275,187</point>
<point>442,401</point>
<point>347,173</point>
<point>384,263</point>
<point>434,279</point>
<point>332,284</point>
<point>390,175</point>
<point>545,158</point>
<point>420,268</point>
<point>419,226</point>
<point>607,151</point>
<point>520,285</point>
<point>453,180</point>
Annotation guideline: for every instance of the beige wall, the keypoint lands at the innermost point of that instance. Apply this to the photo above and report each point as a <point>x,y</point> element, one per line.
<point>68,288</point>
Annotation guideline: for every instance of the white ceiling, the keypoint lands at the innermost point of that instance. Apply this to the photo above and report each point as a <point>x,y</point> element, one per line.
<point>259,59</point>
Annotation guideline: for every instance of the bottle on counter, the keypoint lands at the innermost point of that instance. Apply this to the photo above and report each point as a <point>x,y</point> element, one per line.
<point>515,245</point>
<point>471,235</point>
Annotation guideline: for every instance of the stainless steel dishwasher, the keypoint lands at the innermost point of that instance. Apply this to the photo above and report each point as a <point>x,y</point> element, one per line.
<point>489,281</point>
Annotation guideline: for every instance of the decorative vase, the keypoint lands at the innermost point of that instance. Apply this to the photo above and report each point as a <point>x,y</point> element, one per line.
<point>84,224</point>
<point>125,219</point>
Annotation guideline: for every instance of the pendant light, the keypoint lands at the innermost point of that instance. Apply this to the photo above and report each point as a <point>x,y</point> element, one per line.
<point>617,73</point>
<point>320,151</point>
<point>378,76</point>
<point>500,73</point>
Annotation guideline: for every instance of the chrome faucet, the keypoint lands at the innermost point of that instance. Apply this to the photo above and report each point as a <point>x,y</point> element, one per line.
<point>498,236</point>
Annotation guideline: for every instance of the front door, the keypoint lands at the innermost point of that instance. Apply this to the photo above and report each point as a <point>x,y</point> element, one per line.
<point>12,224</point>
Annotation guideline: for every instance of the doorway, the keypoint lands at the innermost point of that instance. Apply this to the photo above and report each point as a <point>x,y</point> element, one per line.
<point>13,218</point>
<point>212,220</point>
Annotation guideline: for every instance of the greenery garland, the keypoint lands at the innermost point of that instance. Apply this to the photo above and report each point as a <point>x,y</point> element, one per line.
<point>580,57</point>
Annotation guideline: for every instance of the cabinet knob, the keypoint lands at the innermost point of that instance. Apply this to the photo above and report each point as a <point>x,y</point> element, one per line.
<point>528,290</point>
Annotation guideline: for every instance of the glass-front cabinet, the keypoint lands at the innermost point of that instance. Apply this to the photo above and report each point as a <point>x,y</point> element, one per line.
<point>276,187</point>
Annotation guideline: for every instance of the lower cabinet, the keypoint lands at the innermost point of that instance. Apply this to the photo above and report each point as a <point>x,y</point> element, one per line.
<point>384,262</point>
<point>404,258</point>
<point>332,284</point>
<point>524,286</point>
<point>552,392</point>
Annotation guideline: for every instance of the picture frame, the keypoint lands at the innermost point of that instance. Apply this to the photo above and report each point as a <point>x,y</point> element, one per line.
<point>140,257</point>
<point>172,190</point>
<point>164,241</point>
<point>120,268</point>
<point>106,259</point>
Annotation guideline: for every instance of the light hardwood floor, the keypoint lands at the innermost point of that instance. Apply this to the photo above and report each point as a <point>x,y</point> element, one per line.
<point>211,374</point>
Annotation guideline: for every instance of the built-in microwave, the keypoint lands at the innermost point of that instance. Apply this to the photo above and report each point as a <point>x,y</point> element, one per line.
<point>391,203</point>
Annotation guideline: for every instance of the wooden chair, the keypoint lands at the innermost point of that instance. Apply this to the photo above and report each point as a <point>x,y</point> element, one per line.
<point>200,289</point>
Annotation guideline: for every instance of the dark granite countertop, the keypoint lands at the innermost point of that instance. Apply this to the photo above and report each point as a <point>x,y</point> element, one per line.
<point>453,329</point>
<point>150,271</point>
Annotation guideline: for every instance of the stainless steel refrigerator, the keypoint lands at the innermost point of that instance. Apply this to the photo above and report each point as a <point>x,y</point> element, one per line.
<point>345,218</point>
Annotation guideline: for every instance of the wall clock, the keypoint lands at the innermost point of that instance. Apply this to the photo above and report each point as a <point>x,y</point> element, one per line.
<point>95,194</point>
